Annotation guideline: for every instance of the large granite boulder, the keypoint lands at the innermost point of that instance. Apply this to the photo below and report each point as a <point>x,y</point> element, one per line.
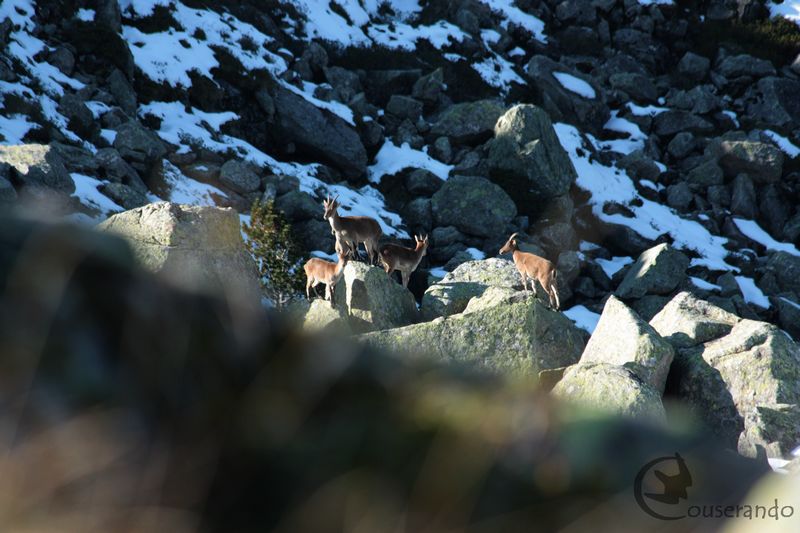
<point>474,205</point>
<point>736,66</point>
<point>622,338</point>
<point>737,154</point>
<point>452,294</point>
<point>773,102</point>
<point>37,166</point>
<point>139,145</point>
<point>526,157</point>
<point>687,321</point>
<point>657,270</point>
<point>786,268</point>
<point>468,122</point>
<point>610,388</point>
<point>193,247</point>
<point>522,337</point>
<point>745,386</point>
<point>373,300</point>
<point>318,133</point>
<point>319,315</point>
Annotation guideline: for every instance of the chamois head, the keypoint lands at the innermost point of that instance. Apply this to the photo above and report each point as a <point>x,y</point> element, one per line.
<point>422,243</point>
<point>510,245</point>
<point>330,205</point>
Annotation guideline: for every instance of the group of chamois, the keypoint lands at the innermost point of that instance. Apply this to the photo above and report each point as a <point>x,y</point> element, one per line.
<point>350,231</point>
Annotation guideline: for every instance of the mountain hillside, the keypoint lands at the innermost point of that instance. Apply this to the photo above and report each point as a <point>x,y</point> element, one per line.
<point>679,119</point>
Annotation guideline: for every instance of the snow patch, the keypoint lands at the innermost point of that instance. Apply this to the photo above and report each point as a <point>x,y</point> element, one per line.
<point>650,219</point>
<point>703,284</point>
<point>751,293</point>
<point>753,231</point>
<point>512,15</point>
<point>86,15</point>
<point>476,254</point>
<point>86,192</point>
<point>391,159</point>
<point>613,265</point>
<point>783,143</point>
<point>584,318</point>
<point>789,9</point>
<point>645,111</point>
<point>575,85</point>
<point>14,128</point>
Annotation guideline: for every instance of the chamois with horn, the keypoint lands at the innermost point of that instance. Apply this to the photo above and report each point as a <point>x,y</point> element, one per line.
<point>532,267</point>
<point>352,230</point>
<point>396,257</point>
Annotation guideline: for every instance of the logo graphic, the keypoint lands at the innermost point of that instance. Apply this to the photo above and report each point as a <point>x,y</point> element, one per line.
<point>655,492</point>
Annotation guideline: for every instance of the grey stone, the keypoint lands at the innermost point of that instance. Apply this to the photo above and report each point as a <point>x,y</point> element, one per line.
<point>421,182</point>
<point>469,122</point>
<point>773,102</point>
<point>688,321</point>
<point>622,338</point>
<point>681,145</point>
<point>404,107</point>
<point>679,196</point>
<point>474,205</point>
<point>672,122</point>
<point>526,157</point>
<point>122,91</point>
<point>745,386</point>
<point>743,197</point>
<point>136,143</point>
<point>298,206</point>
<point>199,249</point>
<point>37,166</point>
<point>520,339</point>
<point>735,66</point>
<point>373,300</point>
<point>614,389</point>
<point>762,161</point>
<point>239,176</point>
<point>639,166</point>
<point>124,195</point>
<point>693,66</point>
<point>312,129</point>
<point>470,279</point>
<point>658,270</point>
<point>637,86</point>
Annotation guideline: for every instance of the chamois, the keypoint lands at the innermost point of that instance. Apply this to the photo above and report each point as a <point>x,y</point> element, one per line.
<point>533,267</point>
<point>396,257</point>
<point>320,271</point>
<point>350,231</point>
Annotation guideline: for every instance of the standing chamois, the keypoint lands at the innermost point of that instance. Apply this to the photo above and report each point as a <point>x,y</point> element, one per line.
<point>321,271</point>
<point>396,257</point>
<point>350,231</point>
<point>533,267</point>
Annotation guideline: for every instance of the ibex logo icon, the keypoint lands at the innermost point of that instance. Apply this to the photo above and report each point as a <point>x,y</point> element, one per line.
<point>659,493</point>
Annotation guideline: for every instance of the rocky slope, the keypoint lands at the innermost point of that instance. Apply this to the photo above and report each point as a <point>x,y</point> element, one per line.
<point>647,148</point>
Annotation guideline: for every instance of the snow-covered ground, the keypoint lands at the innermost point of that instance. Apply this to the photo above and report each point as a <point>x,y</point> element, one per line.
<point>584,318</point>
<point>391,159</point>
<point>650,219</point>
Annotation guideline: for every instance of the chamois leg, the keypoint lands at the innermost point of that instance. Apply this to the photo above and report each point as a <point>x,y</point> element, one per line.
<point>524,279</point>
<point>405,275</point>
<point>308,288</point>
<point>554,289</point>
<point>314,288</point>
